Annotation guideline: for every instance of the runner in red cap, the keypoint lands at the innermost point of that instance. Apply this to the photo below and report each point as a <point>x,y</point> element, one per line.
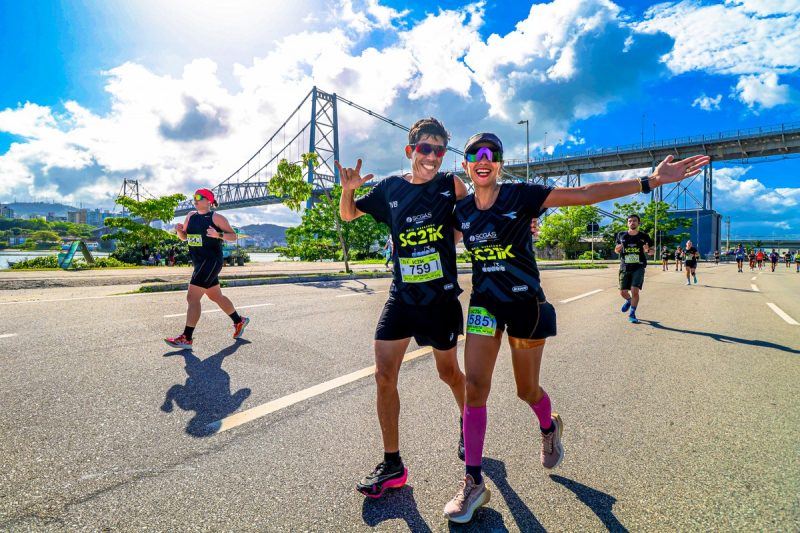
<point>205,230</point>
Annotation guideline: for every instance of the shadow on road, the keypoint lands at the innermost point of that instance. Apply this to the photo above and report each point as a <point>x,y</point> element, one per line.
<point>749,291</point>
<point>723,338</point>
<point>359,288</point>
<point>496,471</point>
<point>392,505</point>
<point>207,391</point>
<point>600,503</point>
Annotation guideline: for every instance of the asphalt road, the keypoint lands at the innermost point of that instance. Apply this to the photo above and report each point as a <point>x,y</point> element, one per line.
<point>689,421</point>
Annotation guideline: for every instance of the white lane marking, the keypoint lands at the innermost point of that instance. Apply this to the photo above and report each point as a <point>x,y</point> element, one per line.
<point>584,295</point>
<point>753,286</point>
<point>753,278</point>
<point>254,413</point>
<point>89,298</point>
<point>7,335</point>
<point>780,312</point>
<point>359,294</point>
<point>218,310</point>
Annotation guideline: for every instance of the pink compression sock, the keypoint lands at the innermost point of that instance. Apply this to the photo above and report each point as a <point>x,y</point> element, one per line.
<point>543,411</point>
<point>474,433</point>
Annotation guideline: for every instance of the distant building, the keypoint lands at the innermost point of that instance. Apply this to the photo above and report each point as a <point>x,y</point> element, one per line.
<point>77,217</point>
<point>6,212</point>
<point>96,217</point>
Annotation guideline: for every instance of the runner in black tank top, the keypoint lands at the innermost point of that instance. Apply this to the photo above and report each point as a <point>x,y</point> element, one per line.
<point>205,231</point>
<point>507,296</point>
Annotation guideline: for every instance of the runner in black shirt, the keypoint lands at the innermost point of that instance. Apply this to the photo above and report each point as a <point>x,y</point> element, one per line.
<point>423,298</point>
<point>692,255</point>
<point>205,230</point>
<point>664,258</point>
<point>633,248</point>
<point>507,295</point>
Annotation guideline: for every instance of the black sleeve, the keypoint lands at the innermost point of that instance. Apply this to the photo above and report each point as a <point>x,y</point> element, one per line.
<point>533,196</point>
<point>374,202</point>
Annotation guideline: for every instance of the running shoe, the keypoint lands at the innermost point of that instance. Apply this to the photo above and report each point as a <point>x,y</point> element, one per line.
<point>688,282</point>
<point>238,329</point>
<point>385,476</point>
<point>695,279</point>
<point>179,342</point>
<point>633,320</point>
<point>469,497</point>
<point>461,453</point>
<point>552,450</point>
<point>626,306</point>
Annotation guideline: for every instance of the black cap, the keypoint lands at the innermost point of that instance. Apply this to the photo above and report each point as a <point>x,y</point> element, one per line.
<point>483,138</point>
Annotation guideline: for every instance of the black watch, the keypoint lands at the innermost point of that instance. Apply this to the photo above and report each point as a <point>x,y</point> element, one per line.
<point>645,182</point>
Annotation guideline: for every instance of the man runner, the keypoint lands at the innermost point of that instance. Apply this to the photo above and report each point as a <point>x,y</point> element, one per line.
<point>691,262</point>
<point>632,246</point>
<point>740,255</point>
<point>205,230</point>
<point>797,259</point>
<point>773,259</point>
<point>423,298</point>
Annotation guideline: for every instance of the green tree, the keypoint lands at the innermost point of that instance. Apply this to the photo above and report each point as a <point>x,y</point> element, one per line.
<point>566,227</point>
<point>45,236</point>
<point>647,213</point>
<point>322,221</point>
<point>137,230</point>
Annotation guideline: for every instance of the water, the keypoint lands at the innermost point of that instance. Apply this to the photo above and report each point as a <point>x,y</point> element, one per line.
<point>14,256</point>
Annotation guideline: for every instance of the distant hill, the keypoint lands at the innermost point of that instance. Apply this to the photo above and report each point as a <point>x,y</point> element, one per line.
<point>23,209</point>
<point>267,232</point>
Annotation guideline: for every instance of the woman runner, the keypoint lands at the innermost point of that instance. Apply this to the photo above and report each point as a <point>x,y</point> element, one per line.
<point>507,295</point>
<point>678,259</point>
<point>205,230</point>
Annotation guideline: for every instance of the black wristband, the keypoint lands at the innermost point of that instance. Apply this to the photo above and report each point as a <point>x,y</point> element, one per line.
<point>645,183</point>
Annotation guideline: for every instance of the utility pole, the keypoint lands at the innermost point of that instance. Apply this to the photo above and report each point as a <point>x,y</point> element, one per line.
<point>527,151</point>
<point>727,233</point>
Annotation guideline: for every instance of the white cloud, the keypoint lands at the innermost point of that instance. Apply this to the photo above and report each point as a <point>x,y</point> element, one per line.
<point>707,103</point>
<point>749,195</point>
<point>739,37</point>
<point>762,91</point>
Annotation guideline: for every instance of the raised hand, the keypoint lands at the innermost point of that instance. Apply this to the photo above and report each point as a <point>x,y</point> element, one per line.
<point>669,172</point>
<point>179,228</point>
<point>350,178</point>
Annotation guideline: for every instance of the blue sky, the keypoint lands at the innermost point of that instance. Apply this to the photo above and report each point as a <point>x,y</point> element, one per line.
<point>178,94</point>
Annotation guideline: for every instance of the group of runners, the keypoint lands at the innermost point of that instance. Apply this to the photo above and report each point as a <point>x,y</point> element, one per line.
<point>427,212</point>
<point>756,259</point>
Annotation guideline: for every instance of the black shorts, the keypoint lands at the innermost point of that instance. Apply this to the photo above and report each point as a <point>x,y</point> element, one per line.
<point>534,319</point>
<point>691,263</point>
<point>437,325</point>
<point>206,273</point>
<point>633,278</point>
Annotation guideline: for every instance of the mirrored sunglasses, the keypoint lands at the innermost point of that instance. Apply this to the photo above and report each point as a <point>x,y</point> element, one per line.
<point>426,148</point>
<point>476,154</point>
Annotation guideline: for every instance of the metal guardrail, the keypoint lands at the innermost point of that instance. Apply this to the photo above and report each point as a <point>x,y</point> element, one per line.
<point>740,134</point>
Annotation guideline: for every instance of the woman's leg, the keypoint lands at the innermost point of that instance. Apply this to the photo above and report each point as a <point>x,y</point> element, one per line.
<point>480,356</point>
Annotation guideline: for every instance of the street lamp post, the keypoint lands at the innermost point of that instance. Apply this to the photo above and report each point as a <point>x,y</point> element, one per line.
<point>527,151</point>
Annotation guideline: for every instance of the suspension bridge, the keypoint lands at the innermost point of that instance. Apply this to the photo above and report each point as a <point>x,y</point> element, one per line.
<point>313,126</point>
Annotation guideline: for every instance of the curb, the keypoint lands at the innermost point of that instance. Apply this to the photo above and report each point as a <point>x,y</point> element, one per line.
<point>303,278</point>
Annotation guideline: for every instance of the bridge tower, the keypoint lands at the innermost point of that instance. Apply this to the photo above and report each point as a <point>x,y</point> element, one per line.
<point>130,189</point>
<point>324,139</point>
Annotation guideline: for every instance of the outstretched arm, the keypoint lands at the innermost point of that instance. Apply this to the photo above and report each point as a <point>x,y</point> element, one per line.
<point>666,172</point>
<point>351,180</point>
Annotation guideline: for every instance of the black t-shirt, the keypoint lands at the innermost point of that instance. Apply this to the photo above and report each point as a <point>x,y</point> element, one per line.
<point>499,243</point>
<point>773,257</point>
<point>632,256</point>
<point>424,251</point>
<point>201,246</point>
<point>690,254</point>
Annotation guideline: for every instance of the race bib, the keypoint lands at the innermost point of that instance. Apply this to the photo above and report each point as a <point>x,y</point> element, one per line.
<point>631,259</point>
<point>481,322</point>
<point>194,239</point>
<point>421,269</point>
